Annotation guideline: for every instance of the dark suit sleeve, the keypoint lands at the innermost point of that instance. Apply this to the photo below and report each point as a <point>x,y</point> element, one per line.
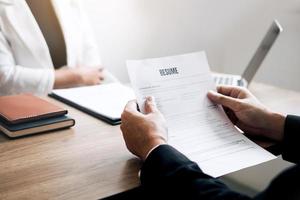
<point>291,141</point>
<point>170,174</point>
<point>285,185</point>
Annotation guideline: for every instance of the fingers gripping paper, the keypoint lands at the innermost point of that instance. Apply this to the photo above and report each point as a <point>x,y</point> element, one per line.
<point>197,127</point>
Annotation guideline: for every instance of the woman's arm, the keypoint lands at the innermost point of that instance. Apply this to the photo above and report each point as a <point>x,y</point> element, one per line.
<point>80,76</point>
<point>20,79</point>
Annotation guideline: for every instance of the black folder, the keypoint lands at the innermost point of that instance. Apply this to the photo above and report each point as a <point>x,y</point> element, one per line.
<point>105,102</point>
<point>111,121</point>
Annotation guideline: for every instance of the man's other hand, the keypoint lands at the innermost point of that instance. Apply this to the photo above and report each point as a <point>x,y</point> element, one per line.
<point>247,113</point>
<point>143,132</point>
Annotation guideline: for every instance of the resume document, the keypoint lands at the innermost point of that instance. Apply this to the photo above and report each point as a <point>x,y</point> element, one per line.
<point>196,127</point>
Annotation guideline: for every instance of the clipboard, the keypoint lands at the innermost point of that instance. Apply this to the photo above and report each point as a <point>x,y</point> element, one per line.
<point>105,102</point>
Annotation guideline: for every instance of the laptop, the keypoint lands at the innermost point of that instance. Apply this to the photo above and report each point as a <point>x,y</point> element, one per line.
<point>256,61</point>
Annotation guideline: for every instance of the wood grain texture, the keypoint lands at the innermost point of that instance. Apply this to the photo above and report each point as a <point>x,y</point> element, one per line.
<point>90,160</point>
<point>277,99</point>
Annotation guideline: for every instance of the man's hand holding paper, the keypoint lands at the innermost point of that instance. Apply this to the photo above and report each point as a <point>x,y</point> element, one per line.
<point>197,127</point>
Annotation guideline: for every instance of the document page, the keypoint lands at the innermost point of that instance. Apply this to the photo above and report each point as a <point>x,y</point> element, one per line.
<point>196,127</point>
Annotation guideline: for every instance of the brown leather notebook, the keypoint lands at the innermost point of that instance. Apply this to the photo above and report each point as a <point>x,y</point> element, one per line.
<point>27,108</point>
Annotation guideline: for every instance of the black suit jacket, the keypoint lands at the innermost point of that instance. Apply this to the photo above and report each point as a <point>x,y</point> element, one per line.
<point>168,174</point>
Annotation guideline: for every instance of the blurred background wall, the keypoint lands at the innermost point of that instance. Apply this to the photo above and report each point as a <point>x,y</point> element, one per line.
<point>229,31</point>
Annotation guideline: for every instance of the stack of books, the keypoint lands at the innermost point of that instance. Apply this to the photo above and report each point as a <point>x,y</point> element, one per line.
<point>27,114</point>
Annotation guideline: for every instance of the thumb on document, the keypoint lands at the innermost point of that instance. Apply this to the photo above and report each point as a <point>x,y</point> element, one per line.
<point>223,100</point>
<point>150,105</point>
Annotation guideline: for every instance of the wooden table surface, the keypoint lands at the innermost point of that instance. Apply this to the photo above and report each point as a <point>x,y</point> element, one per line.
<point>90,160</point>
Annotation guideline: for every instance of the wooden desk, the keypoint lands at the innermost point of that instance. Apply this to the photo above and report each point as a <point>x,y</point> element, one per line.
<point>89,161</point>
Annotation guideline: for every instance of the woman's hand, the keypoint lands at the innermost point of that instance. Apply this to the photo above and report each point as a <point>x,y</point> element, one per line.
<point>247,113</point>
<point>80,76</point>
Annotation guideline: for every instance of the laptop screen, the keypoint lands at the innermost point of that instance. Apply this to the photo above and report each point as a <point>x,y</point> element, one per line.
<point>262,51</point>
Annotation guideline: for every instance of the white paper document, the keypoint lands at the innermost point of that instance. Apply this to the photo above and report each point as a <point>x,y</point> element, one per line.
<point>196,127</point>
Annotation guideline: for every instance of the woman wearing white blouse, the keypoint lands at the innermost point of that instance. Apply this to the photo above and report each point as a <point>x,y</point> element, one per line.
<point>46,44</point>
